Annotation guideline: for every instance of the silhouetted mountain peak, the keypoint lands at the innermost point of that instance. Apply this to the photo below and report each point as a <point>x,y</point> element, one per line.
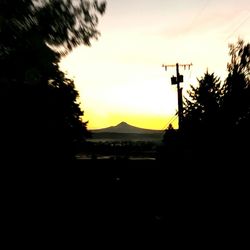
<point>124,127</point>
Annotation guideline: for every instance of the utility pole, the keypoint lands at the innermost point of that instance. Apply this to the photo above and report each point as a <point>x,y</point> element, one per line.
<point>177,80</point>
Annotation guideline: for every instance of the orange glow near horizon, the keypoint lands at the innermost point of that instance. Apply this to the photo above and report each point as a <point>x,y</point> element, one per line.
<point>120,78</point>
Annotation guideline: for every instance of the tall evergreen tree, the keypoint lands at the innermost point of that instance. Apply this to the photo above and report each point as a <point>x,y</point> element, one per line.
<point>219,115</point>
<point>202,108</point>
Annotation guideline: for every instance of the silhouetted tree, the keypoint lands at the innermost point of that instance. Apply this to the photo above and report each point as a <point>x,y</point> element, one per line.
<point>170,139</point>
<point>40,114</point>
<point>169,134</point>
<point>216,114</point>
<point>236,98</point>
<point>63,24</point>
<point>237,85</point>
<point>202,109</point>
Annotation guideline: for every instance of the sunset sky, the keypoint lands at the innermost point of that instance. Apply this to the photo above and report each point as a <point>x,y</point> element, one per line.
<point>120,78</point>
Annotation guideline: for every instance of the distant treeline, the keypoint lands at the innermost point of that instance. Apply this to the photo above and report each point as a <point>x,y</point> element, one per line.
<point>119,149</point>
<point>156,137</point>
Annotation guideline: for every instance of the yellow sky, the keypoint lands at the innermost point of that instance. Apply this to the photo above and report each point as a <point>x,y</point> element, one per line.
<point>120,78</point>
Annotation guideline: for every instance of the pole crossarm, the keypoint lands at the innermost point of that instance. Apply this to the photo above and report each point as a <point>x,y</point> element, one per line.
<point>186,65</point>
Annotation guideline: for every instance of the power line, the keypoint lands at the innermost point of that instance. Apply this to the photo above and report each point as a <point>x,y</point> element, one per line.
<point>169,122</point>
<point>199,13</point>
<point>238,27</point>
<point>172,119</point>
<point>176,116</point>
<point>193,20</point>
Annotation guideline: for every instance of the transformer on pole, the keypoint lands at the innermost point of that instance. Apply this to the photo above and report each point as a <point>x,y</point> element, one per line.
<point>176,80</point>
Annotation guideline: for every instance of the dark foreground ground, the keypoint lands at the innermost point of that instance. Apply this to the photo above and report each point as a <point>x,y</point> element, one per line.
<point>125,204</point>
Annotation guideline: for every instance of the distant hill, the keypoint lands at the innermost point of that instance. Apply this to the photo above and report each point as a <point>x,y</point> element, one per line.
<point>126,128</point>
<point>126,132</point>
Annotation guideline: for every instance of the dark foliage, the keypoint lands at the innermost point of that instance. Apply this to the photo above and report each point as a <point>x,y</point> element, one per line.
<point>237,86</point>
<point>202,112</point>
<point>236,100</point>
<point>217,116</point>
<point>40,113</point>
